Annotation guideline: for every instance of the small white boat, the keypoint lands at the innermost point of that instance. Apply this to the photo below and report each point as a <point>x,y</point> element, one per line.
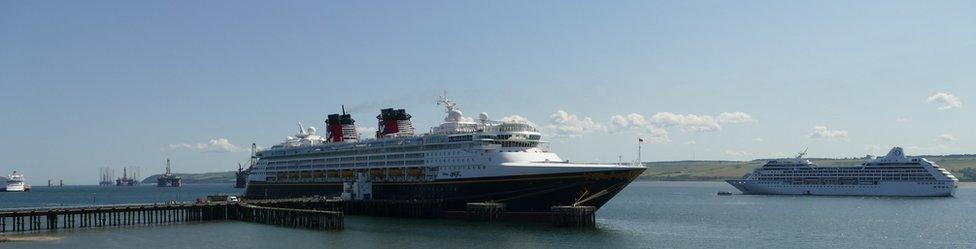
<point>15,183</point>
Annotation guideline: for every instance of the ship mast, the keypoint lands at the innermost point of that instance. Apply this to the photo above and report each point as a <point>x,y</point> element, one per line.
<point>802,153</point>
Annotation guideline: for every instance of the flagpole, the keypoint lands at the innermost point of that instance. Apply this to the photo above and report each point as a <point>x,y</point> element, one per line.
<point>639,161</point>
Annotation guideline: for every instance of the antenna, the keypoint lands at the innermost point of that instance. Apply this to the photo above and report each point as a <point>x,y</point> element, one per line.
<point>343,109</point>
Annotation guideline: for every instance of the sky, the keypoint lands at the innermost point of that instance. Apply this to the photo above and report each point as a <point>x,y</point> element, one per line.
<point>90,84</point>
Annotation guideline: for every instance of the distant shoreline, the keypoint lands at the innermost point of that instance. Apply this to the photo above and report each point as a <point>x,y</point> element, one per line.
<point>962,166</point>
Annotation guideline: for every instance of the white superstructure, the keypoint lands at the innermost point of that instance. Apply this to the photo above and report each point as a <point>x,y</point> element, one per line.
<point>462,159</point>
<point>458,148</point>
<point>892,175</point>
<point>15,183</point>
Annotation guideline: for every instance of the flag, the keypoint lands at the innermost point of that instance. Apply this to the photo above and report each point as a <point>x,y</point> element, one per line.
<point>640,140</point>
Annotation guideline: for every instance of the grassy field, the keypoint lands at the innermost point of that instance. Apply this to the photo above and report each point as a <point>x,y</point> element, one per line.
<point>963,167</point>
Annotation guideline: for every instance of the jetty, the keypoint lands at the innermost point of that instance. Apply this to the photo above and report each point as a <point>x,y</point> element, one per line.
<point>307,213</point>
<point>21,220</point>
<point>561,216</point>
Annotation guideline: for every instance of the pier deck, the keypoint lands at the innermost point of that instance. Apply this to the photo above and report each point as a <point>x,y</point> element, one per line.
<point>20,220</point>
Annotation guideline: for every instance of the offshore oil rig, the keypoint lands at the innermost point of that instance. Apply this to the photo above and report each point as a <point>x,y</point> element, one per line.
<point>169,179</point>
<point>106,176</point>
<point>127,181</point>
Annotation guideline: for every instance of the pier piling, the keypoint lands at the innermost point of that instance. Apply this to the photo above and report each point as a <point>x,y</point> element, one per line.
<point>124,215</point>
<point>485,211</point>
<point>574,216</point>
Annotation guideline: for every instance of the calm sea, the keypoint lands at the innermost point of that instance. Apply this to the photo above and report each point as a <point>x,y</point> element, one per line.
<point>645,215</point>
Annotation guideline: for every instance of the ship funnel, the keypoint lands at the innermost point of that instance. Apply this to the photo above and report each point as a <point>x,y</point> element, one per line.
<point>394,123</point>
<point>341,128</point>
<point>895,152</point>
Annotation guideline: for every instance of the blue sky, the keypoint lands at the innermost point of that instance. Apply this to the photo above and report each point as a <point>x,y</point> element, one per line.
<point>121,83</point>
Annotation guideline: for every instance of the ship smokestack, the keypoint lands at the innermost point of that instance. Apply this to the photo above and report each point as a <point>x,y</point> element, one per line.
<point>394,122</point>
<point>341,128</point>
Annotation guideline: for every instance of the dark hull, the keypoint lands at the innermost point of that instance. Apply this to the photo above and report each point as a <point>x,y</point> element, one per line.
<point>528,193</point>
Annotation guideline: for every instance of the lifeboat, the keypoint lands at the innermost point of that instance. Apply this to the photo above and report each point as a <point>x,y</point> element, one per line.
<point>332,173</point>
<point>415,172</point>
<point>348,173</point>
<point>394,172</point>
<point>319,174</point>
<point>376,172</point>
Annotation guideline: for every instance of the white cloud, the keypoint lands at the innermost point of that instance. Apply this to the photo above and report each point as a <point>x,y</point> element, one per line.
<point>215,145</point>
<point>518,119</point>
<point>737,153</point>
<point>656,125</point>
<point>947,100</point>
<point>903,120</point>
<point>825,133</point>
<point>564,124</point>
<point>687,122</point>
<point>659,135</point>
<point>758,139</point>
<point>691,142</point>
<point>735,117</point>
<point>639,124</point>
<point>629,121</point>
<point>946,138</point>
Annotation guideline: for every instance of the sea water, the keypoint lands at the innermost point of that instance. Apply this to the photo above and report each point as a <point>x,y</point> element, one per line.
<point>644,215</point>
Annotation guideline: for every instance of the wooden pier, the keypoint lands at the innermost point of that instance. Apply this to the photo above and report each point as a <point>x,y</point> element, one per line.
<point>381,208</point>
<point>485,211</point>
<point>309,213</point>
<point>574,216</point>
<point>150,214</point>
<point>290,217</point>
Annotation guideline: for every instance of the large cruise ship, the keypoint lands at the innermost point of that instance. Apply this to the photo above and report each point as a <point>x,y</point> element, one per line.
<point>892,175</point>
<point>463,160</point>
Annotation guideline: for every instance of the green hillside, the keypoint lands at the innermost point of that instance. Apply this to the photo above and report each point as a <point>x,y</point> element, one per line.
<point>212,177</point>
<point>963,166</point>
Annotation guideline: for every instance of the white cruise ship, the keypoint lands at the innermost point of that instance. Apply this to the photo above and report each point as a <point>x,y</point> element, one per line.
<point>15,183</point>
<point>891,175</point>
<point>463,160</point>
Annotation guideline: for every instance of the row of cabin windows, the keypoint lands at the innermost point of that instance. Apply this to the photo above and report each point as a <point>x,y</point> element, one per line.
<point>452,160</point>
<point>862,174</point>
<point>445,168</point>
<point>350,165</point>
<point>350,159</point>
<point>860,179</point>
<point>359,151</point>
<point>463,167</point>
<point>365,158</point>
